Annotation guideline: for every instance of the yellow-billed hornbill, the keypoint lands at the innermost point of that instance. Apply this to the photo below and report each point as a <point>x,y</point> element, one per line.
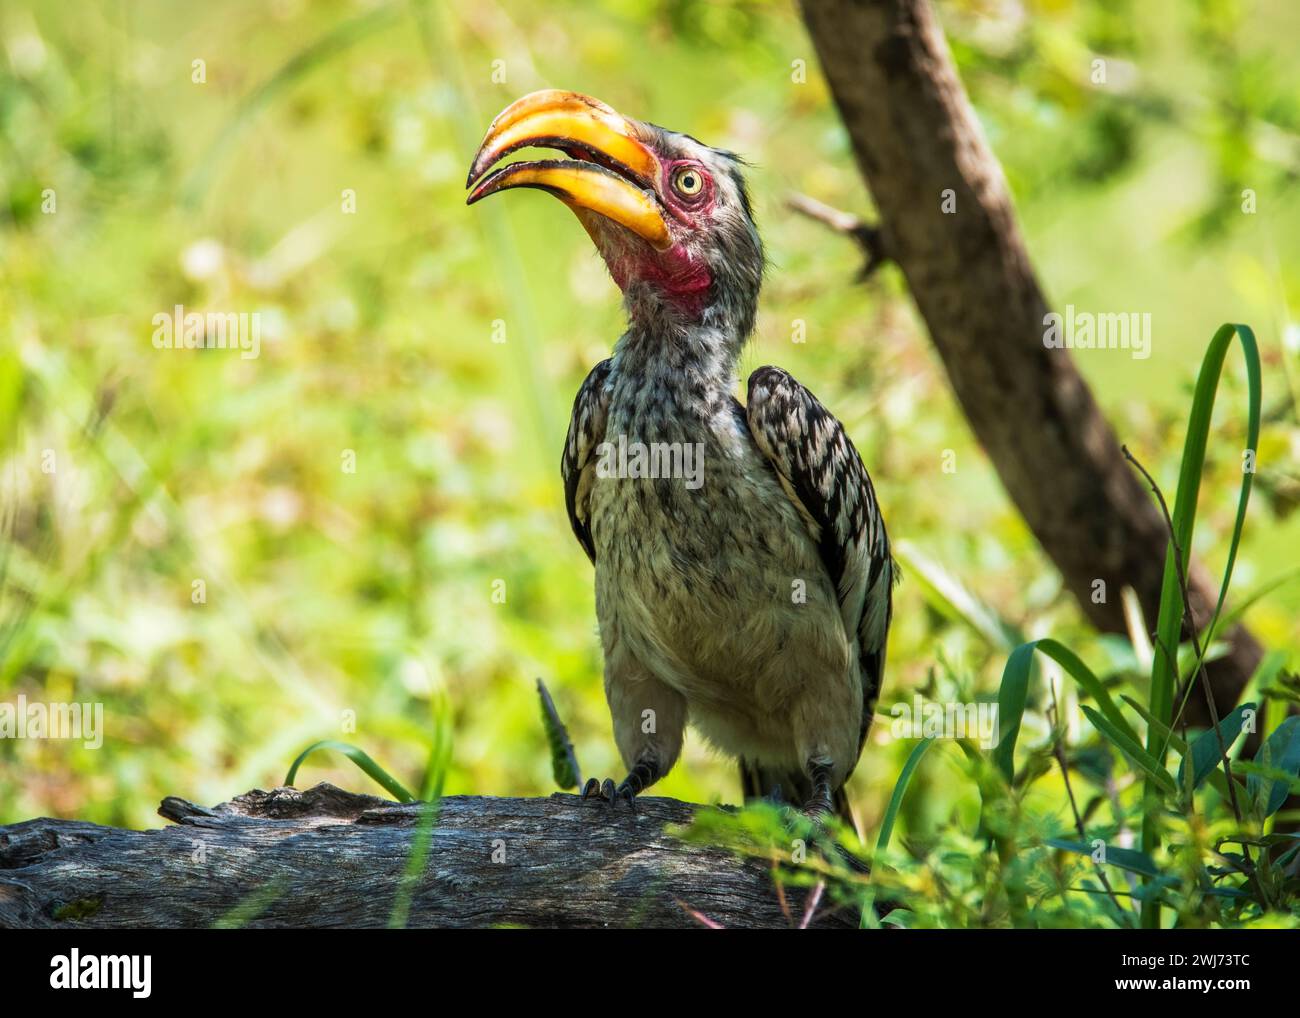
<point>756,600</point>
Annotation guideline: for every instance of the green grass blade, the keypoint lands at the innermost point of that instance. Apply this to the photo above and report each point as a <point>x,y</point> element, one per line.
<point>1169,622</point>
<point>358,757</point>
<point>1133,750</point>
<point>1014,691</point>
<point>1012,694</point>
<point>435,774</point>
<point>1088,682</point>
<point>891,814</point>
<point>900,789</point>
<point>1170,618</point>
<point>1218,781</point>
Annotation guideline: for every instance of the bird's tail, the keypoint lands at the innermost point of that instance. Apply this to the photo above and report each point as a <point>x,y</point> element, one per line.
<point>790,787</point>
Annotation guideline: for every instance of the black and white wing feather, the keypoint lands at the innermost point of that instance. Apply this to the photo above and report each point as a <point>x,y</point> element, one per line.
<point>823,475</point>
<point>578,465</point>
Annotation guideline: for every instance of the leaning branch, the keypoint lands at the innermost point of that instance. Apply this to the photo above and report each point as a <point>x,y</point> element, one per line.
<point>947,221</point>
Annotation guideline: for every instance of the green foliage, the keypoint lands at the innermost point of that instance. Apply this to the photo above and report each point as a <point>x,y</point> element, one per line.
<point>1279,759</point>
<point>1209,747</point>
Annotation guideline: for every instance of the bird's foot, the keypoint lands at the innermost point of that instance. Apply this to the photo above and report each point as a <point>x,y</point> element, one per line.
<point>818,808</point>
<point>607,791</point>
<point>821,803</point>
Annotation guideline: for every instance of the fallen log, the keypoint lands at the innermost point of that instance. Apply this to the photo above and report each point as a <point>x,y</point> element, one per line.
<point>324,857</point>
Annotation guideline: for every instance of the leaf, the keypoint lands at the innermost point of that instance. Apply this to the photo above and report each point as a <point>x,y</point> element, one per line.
<point>1123,858</point>
<point>1133,750</point>
<point>1226,892</point>
<point>891,814</point>
<point>358,757</point>
<point>1217,780</point>
<point>564,762</point>
<point>1280,752</point>
<point>1088,682</point>
<point>1170,619</point>
<point>900,788</point>
<point>1205,750</point>
<point>1013,693</point>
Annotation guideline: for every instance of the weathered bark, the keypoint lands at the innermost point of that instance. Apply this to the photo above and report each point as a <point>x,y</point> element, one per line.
<point>329,858</point>
<point>916,136</point>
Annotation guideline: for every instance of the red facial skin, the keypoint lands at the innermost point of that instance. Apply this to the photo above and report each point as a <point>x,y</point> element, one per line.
<point>683,280</point>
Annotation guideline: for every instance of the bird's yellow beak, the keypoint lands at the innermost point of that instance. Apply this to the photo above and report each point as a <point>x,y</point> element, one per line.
<point>610,171</point>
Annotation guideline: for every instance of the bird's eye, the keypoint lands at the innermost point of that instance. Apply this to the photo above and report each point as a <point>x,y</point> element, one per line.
<point>688,182</point>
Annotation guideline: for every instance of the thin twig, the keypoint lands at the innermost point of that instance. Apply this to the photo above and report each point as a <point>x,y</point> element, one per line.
<point>866,236</point>
<point>780,892</point>
<point>814,898</point>
<point>698,916</point>
<point>1058,751</point>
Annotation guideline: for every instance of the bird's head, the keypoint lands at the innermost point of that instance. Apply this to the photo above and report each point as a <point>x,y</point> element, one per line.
<point>669,215</point>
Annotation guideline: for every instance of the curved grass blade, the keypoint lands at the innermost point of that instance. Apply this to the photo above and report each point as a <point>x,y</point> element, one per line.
<point>1169,620</point>
<point>1133,750</point>
<point>891,814</point>
<point>900,789</point>
<point>1013,693</point>
<point>358,757</point>
<point>435,773</point>
<point>1218,781</point>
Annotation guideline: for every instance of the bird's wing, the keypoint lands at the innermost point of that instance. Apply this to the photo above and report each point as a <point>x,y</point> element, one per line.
<point>578,467</point>
<point>823,474</point>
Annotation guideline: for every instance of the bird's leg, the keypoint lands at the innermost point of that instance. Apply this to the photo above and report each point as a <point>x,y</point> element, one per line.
<point>644,774</point>
<point>820,804</point>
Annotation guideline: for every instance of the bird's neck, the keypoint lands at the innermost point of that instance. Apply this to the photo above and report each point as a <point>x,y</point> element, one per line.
<point>676,347</point>
<point>680,359</point>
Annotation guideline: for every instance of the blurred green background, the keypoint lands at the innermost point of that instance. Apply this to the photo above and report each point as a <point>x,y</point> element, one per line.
<point>346,604</point>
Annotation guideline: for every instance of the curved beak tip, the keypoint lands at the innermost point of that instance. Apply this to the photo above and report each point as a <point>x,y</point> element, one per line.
<point>607,168</point>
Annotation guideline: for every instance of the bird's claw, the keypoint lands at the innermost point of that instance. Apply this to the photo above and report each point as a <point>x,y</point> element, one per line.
<point>609,792</point>
<point>595,788</point>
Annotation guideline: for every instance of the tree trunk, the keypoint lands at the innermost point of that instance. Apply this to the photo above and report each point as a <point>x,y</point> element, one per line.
<point>325,857</point>
<point>916,138</point>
